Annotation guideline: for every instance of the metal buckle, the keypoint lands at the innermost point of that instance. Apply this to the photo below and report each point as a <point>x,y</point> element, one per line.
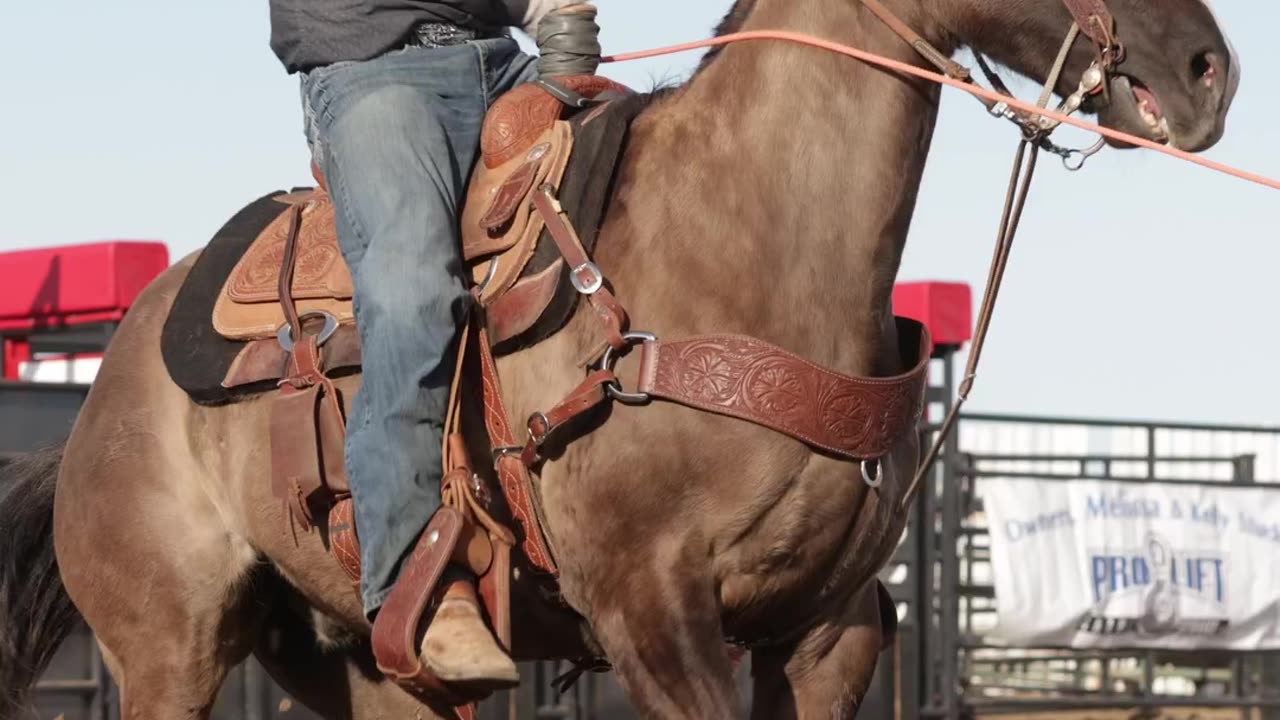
<point>285,334</point>
<point>614,389</point>
<point>537,438</point>
<point>505,450</point>
<point>592,284</point>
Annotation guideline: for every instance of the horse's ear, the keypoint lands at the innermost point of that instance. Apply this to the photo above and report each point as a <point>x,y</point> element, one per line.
<point>888,617</point>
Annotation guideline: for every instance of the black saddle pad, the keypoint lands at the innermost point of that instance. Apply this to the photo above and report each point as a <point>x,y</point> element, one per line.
<point>195,354</point>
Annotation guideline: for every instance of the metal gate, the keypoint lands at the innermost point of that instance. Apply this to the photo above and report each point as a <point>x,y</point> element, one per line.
<point>954,672</point>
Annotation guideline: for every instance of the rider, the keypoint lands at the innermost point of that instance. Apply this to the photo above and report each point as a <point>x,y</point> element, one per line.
<point>394,93</point>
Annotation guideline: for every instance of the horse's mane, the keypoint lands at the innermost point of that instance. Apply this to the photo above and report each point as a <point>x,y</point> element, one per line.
<point>731,23</point>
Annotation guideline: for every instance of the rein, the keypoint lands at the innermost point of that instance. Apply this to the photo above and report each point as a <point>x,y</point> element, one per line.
<point>1090,18</point>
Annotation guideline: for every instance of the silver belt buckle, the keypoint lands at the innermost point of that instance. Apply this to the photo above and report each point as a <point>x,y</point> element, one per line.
<point>437,34</point>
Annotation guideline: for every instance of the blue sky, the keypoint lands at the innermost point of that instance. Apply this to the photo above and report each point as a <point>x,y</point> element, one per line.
<point>1140,287</point>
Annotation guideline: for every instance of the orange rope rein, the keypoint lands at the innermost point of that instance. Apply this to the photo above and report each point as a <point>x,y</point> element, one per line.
<point>908,69</point>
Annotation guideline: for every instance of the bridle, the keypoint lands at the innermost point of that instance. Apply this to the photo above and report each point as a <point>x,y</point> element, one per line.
<point>1090,18</point>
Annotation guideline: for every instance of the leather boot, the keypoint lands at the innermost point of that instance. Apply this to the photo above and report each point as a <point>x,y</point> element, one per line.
<point>458,646</point>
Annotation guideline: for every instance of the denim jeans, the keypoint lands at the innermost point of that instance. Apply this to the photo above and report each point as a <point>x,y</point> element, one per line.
<point>396,137</point>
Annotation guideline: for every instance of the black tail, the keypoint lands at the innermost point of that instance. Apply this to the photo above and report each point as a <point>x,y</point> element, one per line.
<point>35,612</point>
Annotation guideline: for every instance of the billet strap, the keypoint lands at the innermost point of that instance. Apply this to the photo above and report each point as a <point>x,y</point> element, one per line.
<point>583,273</point>
<point>854,417</point>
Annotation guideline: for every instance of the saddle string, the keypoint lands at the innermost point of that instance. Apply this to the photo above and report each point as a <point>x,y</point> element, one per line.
<point>285,288</point>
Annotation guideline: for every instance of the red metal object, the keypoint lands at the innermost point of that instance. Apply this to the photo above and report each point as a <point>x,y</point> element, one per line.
<point>16,351</point>
<point>945,307</point>
<point>75,284</point>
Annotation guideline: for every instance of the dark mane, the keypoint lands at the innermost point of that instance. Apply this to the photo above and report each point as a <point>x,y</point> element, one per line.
<point>731,23</point>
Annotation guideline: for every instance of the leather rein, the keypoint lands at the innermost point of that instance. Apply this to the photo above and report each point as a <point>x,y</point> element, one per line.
<point>1090,18</point>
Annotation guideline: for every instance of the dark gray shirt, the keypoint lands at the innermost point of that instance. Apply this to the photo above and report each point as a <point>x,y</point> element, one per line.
<point>310,33</point>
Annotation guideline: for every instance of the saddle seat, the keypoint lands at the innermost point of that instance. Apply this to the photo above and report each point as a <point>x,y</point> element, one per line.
<point>526,142</point>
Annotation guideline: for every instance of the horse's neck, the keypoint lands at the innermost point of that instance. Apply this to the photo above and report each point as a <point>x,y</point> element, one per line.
<point>809,165</point>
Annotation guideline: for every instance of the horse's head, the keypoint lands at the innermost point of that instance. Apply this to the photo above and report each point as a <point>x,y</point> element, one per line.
<point>1173,76</point>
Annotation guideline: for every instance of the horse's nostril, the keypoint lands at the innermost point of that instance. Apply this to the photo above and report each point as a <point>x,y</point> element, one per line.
<point>1204,68</point>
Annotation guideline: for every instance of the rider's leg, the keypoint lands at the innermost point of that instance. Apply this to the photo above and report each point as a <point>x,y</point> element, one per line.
<point>396,137</point>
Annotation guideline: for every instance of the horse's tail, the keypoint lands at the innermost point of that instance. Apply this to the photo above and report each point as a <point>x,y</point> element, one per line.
<point>36,613</point>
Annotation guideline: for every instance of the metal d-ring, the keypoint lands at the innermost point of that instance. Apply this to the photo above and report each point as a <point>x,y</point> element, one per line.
<point>285,334</point>
<point>614,389</point>
<point>872,479</point>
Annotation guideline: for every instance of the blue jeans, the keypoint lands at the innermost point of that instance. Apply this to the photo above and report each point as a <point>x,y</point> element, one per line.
<point>396,137</point>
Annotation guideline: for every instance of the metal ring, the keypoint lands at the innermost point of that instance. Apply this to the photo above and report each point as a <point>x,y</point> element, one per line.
<point>537,438</point>
<point>285,334</point>
<point>873,480</point>
<point>614,389</point>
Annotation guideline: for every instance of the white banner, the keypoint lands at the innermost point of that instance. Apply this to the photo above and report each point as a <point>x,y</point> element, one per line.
<point>1089,563</point>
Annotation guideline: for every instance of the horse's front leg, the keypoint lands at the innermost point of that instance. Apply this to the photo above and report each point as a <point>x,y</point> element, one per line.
<point>825,674</point>
<point>660,626</point>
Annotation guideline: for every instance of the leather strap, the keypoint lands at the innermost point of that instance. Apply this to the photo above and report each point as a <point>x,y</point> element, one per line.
<point>285,287</point>
<point>940,60</point>
<point>343,540</point>
<point>589,393</point>
<point>584,274</point>
<point>513,474</point>
<point>1094,19</point>
<point>743,377</point>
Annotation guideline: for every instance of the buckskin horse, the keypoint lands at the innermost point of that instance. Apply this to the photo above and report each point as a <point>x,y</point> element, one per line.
<point>769,196</point>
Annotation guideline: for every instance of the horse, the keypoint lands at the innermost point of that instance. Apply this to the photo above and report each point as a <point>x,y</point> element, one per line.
<point>771,194</point>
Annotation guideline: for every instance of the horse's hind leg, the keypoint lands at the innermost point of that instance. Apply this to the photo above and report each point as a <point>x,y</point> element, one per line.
<point>170,607</point>
<point>825,674</point>
<point>150,563</point>
<point>660,626</point>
